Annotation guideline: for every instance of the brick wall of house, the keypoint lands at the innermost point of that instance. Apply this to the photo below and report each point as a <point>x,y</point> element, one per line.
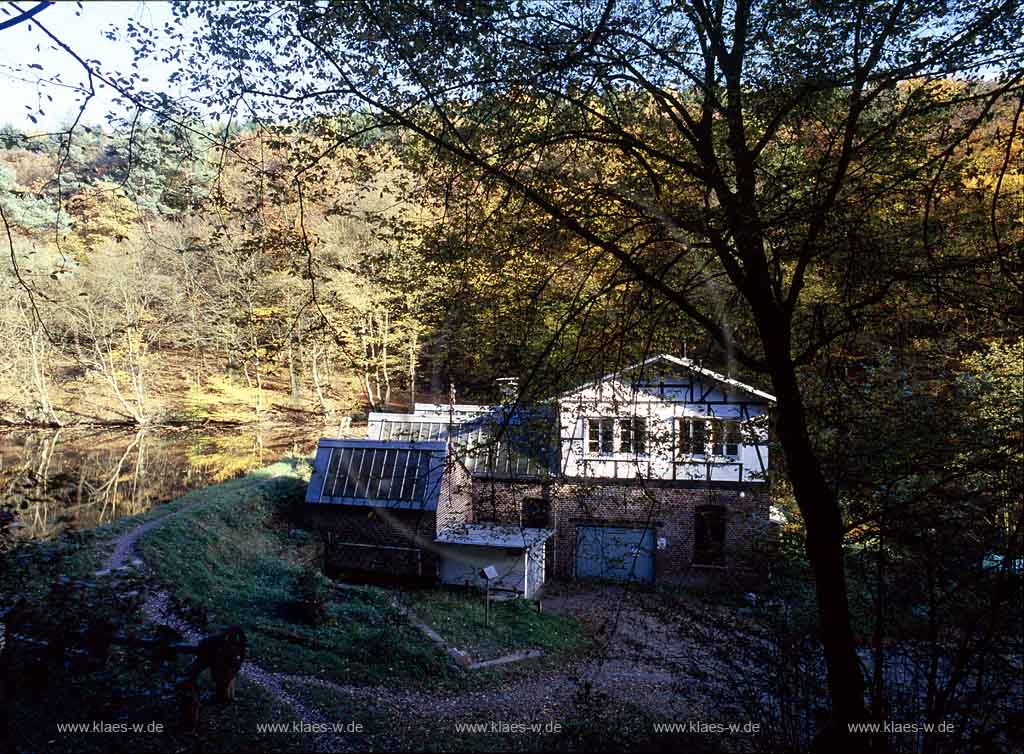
<point>386,531</point>
<point>668,508</point>
<point>501,501</point>
<point>455,498</point>
<point>669,511</point>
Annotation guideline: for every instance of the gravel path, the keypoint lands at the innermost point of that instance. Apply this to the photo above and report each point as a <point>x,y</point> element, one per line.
<point>124,546</point>
<point>157,609</point>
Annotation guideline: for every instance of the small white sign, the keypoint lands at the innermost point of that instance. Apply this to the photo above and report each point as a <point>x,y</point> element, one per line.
<point>662,543</point>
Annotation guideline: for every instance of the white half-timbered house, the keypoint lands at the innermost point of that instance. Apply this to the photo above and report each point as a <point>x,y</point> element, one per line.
<point>654,472</point>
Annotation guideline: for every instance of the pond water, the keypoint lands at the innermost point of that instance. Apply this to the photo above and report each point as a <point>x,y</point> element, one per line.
<point>76,478</point>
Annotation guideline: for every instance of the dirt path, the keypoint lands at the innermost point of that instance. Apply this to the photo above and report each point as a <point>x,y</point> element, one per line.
<point>157,609</point>
<point>124,546</point>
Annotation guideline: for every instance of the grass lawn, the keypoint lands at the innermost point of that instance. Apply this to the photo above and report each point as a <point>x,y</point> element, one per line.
<point>237,561</point>
<point>32,568</point>
<point>515,624</point>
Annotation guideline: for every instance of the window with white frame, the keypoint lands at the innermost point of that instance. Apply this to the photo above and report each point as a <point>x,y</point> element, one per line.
<point>633,435</point>
<point>600,436</point>
<point>699,436</point>
<point>692,436</point>
<point>716,429</point>
<point>725,438</point>
<point>733,438</point>
<point>608,436</point>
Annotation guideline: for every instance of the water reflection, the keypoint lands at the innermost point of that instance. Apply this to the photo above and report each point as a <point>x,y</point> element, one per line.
<point>76,479</point>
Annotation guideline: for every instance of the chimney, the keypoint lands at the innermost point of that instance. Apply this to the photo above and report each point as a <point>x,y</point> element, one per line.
<point>508,389</point>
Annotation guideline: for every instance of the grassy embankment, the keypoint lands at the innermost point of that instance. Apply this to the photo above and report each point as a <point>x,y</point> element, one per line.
<point>232,559</point>
<point>60,584</point>
<point>235,559</point>
<point>239,562</point>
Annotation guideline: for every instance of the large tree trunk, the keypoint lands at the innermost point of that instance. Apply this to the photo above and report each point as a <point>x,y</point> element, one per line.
<point>823,520</point>
<point>314,357</point>
<point>817,501</point>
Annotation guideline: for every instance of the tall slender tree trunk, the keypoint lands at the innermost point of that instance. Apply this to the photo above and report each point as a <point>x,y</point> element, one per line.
<point>314,357</point>
<point>824,525</point>
<point>384,360</point>
<point>367,366</point>
<point>38,344</point>
<point>257,373</point>
<point>412,370</point>
<point>435,365</point>
<point>293,373</point>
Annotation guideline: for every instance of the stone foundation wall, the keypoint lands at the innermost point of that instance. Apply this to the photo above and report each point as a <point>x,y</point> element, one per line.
<point>669,509</point>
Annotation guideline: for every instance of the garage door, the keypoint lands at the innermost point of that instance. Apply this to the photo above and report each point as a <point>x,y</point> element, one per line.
<point>617,554</point>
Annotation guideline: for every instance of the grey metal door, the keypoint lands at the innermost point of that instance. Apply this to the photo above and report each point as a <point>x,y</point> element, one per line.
<point>615,553</point>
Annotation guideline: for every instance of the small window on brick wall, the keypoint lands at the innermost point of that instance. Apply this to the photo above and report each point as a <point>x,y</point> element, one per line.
<point>536,513</point>
<point>709,535</point>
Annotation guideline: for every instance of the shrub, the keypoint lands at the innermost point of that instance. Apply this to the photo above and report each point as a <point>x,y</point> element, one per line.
<point>312,593</point>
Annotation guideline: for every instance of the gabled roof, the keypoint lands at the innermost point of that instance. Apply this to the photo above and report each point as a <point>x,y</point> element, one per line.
<point>377,474</point>
<point>684,363</point>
